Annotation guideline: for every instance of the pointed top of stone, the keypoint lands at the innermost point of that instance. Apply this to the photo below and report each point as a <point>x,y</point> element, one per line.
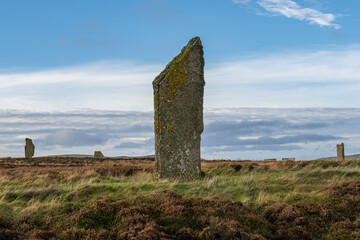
<point>194,43</point>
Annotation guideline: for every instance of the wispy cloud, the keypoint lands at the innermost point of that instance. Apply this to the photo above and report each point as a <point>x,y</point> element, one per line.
<point>292,9</point>
<point>306,78</point>
<point>308,66</point>
<point>100,85</point>
<point>322,78</point>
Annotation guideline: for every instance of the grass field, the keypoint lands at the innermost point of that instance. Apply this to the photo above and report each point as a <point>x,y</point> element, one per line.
<point>85,198</point>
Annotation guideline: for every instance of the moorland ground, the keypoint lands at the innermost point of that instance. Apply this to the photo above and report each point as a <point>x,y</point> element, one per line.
<point>87,198</point>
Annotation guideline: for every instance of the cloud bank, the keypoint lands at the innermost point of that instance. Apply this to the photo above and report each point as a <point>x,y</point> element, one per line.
<point>71,138</point>
<point>292,9</point>
<point>232,133</point>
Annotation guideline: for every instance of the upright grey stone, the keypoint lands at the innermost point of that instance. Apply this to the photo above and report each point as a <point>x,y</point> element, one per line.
<point>178,104</point>
<point>29,148</point>
<point>98,154</point>
<point>340,152</point>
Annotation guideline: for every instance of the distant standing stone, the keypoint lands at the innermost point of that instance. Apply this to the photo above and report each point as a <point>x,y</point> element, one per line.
<point>98,154</point>
<point>29,148</point>
<point>178,114</point>
<point>340,152</point>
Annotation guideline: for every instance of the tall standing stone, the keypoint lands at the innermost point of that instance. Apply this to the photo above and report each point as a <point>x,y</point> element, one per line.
<point>178,103</point>
<point>340,152</point>
<point>29,148</point>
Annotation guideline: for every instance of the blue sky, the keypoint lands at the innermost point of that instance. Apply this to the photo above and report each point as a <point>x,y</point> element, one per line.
<point>103,55</point>
<point>41,34</point>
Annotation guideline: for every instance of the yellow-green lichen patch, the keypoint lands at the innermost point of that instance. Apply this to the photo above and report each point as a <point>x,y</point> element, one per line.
<point>178,59</point>
<point>175,84</point>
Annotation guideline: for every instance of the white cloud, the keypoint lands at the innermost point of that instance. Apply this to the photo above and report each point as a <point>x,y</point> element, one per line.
<point>292,9</point>
<point>297,66</point>
<point>101,85</point>
<point>103,72</point>
<point>73,138</point>
<point>294,79</point>
<point>328,78</point>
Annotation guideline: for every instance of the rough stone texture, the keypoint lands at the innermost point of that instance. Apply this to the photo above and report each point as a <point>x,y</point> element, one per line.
<point>340,152</point>
<point>29,148</point>
<point>98,154</point>
<point>178,102</point>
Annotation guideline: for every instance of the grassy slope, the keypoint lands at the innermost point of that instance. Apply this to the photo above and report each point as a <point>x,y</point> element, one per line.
<point>65,202</point>
<point>349,157</point>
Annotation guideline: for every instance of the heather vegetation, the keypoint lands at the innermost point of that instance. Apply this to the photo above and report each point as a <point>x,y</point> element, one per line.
<point>85,198</point>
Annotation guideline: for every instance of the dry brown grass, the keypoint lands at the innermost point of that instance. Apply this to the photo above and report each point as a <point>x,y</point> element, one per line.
<point>85,198</point>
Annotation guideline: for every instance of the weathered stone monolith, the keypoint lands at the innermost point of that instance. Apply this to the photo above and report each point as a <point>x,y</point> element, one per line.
<point>340,152</point>
<point>98,154</point>
<point>29,148</point>
<point>178,103</point>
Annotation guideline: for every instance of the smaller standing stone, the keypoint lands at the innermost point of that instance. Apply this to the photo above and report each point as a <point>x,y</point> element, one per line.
<point>98,154</point>
<point>29,148</point>
<point>340,152</point>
